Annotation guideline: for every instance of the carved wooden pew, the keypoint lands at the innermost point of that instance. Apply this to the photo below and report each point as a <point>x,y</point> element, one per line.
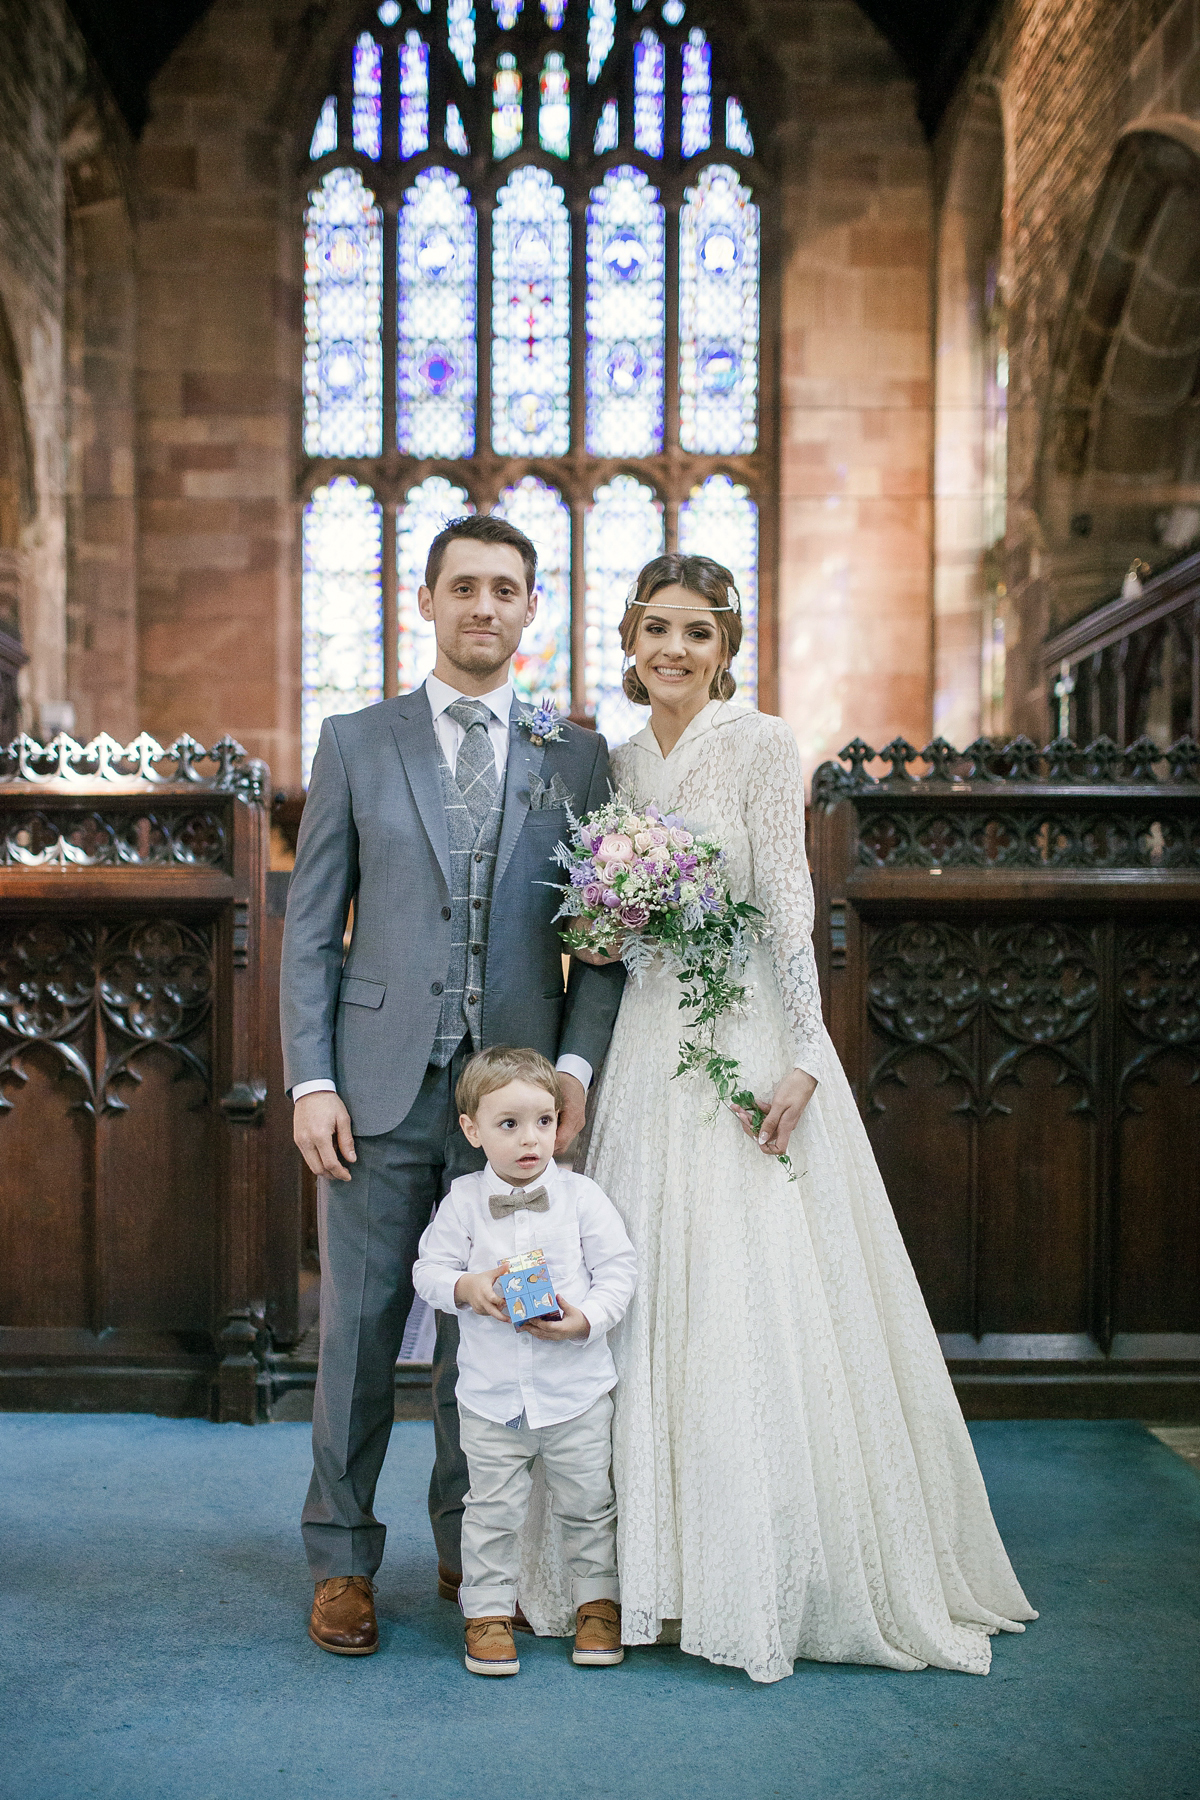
<point>134,1269</point>
<point>1009,949</point>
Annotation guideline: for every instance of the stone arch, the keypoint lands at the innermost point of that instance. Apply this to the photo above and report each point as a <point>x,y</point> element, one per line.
<point>970,436</point>
<point>1120,458</point>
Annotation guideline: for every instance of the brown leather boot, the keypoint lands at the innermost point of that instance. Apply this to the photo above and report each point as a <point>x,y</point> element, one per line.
<point>598,1634</point>
<point>343,1616</point>
<point>490,1647</point>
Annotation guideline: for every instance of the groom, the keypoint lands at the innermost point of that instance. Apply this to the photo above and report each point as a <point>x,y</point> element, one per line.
<point>435,817</point>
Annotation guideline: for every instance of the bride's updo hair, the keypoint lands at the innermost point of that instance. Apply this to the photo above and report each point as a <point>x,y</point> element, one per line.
<point>713,586</point>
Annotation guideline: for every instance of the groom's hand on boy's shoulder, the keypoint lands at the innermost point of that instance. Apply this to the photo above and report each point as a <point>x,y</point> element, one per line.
<point>321,1128</point>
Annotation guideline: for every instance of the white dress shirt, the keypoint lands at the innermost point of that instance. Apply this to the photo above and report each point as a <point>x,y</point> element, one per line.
<point>503,1372</point>
<point>450,735</point>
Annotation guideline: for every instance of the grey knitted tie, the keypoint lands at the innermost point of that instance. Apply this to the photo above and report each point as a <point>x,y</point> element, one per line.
<point>475,769</point>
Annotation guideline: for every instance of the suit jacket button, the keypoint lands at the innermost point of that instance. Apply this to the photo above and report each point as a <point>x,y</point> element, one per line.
<point>436,988</point>
<point>479,856</point>
<point>445,912</point>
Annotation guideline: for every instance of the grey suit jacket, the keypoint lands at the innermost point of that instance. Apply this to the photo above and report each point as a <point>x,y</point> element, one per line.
<point>374,832</point>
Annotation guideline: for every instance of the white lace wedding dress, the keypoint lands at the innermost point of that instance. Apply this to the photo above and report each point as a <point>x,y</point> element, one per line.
<point>793,1474</point>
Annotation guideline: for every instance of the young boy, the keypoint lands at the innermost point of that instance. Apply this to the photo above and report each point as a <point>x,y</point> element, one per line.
<point>540,1389</point>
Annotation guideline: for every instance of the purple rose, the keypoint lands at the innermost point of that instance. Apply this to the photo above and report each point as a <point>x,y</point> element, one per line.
<point>635,917</point>
<point>593,895</point>
<point>608,898</point>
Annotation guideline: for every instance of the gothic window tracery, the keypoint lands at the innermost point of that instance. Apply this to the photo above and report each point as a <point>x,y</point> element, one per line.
<point>531,288</point>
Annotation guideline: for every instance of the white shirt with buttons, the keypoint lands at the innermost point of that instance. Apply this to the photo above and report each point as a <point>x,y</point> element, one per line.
<point>503,1372</point>
<point>450,735</point>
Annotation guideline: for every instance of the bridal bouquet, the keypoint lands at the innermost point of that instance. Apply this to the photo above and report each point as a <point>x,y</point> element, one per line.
<point>645,882</point>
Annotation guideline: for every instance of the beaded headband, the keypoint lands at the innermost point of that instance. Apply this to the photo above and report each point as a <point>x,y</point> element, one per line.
<point>631,599</point>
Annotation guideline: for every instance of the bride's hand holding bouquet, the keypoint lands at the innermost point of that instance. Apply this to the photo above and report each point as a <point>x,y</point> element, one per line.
<point>642,884</point>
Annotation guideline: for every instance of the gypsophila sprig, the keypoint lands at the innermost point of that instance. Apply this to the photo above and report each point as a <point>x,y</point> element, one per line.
<point>642,884</point>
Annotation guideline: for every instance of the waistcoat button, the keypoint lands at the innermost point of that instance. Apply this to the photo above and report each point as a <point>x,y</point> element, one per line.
<point>435,987</point>
<point>479,856</point>
<point>477,904</point>
<point>471,999</point>
<point>445,912</point>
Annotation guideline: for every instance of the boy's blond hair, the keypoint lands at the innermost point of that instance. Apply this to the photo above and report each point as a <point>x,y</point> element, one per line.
<point>491,1069</point>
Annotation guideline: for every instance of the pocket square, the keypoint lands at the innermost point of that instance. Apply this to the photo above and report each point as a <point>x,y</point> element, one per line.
<point>543,798</point>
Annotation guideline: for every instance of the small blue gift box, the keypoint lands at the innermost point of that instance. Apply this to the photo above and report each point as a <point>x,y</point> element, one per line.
<point>528,1290</point>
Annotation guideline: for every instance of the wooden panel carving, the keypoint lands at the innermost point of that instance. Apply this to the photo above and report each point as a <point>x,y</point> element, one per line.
<point>133,1064</point>
<point>1010,963</point>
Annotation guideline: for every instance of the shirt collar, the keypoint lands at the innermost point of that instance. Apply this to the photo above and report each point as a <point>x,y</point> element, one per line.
<point>495,1185</point>
<point>441,695</point>
<point>716,713</point>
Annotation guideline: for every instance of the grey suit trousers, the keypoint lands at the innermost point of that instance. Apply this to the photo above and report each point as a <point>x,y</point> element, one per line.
<point>369,1230</point>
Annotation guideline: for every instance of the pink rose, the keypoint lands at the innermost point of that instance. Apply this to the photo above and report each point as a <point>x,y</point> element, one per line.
<point>592,895</point>
<point>680,839</point>
<point>635,917</point>
<point>616,847</point>
<point>657,835</point>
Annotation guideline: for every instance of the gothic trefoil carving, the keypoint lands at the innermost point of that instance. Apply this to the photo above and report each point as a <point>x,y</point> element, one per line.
<point>97,996</point>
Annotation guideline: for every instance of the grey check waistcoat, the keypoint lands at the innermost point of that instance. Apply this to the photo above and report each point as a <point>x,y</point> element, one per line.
<point>472,870</point>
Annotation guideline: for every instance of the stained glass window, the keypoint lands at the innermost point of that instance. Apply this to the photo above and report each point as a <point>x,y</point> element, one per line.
<point>602,33</point>
<point>697,94</point>
<point>648,68</point>
<point>456,132</point>
<point>625,316</point>
<point>324,137</point>
<point>718,315</point>
<point>623,530</point>
<point>554,113</point>
<point>531,317</point>
<point>343,244</point>
<point>607,129</point>
<point>368,123</point>
<point>506,106</point>
<point>543,663</point>
<point>342,648</point>
<point>425,510</point>
<point>460,34</point>
<point>721,520</point>
<point>584,240</point>
<point>737,132</point>
<point>414,95</point>
<point>435,318</point>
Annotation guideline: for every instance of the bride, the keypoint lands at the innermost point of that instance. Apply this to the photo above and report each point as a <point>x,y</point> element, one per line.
<point>792,1470</point>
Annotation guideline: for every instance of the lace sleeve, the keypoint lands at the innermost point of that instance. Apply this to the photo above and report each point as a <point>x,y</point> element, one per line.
<point>773,803</point>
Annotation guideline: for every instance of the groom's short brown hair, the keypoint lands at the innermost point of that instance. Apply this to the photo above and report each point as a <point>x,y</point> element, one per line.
<point>492,1069</point>
<point>484,529</point>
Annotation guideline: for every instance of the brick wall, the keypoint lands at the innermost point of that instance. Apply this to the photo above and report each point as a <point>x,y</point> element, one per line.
<point>1070,75</point>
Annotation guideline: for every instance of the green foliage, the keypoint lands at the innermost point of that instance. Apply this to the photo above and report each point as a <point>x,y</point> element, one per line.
<point>709,962</point>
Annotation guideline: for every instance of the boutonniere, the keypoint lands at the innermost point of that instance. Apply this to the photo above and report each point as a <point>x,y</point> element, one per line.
<point>541,724</point>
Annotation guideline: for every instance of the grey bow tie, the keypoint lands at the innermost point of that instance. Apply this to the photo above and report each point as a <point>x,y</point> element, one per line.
<point>501,1206</point>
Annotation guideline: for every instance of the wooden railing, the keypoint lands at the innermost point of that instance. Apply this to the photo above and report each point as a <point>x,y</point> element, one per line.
<point>1131,666</point>
<point>144,1257</point>
<point>1009,949</point>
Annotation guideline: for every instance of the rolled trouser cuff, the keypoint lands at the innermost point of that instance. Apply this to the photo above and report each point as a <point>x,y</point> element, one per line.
<point>487,1602</point>
<point>595,1587</point>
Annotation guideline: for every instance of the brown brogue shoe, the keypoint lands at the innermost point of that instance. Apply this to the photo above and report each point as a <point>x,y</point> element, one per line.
<point>343,1616</point>
<point>449,1582</point>
<point>598,1634</point>
<point>490,1647</point>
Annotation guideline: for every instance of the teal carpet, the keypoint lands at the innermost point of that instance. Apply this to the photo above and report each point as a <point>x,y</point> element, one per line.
<point>153,1647</point>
